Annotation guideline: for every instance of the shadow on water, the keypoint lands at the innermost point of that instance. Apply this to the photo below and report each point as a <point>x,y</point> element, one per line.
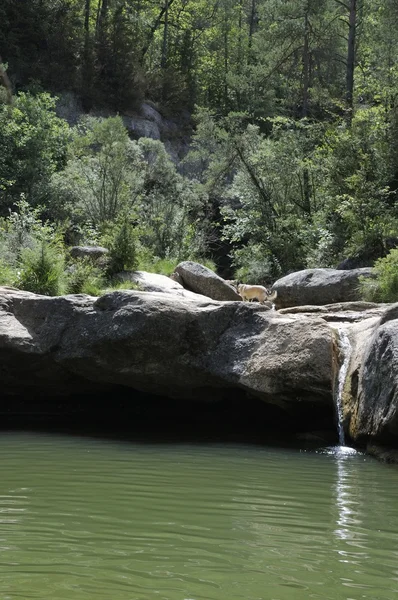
<point>144,418</point>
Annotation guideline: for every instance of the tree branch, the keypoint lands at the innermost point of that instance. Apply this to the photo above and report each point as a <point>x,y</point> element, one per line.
<point>6,82</point>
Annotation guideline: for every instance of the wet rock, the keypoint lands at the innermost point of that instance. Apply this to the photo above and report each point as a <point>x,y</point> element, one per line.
<point>373,382</point>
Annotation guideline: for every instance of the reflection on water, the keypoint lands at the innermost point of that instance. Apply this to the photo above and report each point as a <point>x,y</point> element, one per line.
<point>116,520</point>
<point>348,519</point>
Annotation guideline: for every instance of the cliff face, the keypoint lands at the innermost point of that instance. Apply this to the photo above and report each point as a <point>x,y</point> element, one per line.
<point>163,344</point>
<point>201,351</point>
<point>147,121</point>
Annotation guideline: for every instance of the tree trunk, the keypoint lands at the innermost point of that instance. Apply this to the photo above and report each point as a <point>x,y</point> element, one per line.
<point>352,28</point>
<point>163,62</point>
<point>226,58</point>
<point>102,15</point>
<point>306,66</point>
<point>253,22</point>
<point>155,27</point>
<point>6,82</point>
<point>86,83</point>
<point>305,103</point>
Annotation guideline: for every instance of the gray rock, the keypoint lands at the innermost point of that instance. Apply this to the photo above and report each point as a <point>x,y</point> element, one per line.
<point>373,382</point>
<point>319,287</point>
<point>164,344</point>
<point>176,277</point>
<point>92,252</point>
<point>201,280</point>
<point>153,282</point>
<point>141,127</point>
<point>69,107</point>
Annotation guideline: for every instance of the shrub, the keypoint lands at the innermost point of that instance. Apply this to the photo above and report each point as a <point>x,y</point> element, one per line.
<point>8,275</point>
<point>33,144</point>
<point>21,229</point>
<point>42,269</point>
<point>122,244</point>
<point>254,266</point>
<point>103,176</point>
<point>385,287</point>
<point>84,278</point>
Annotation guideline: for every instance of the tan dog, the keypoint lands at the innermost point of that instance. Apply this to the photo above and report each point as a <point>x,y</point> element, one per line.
<point>253,292</point>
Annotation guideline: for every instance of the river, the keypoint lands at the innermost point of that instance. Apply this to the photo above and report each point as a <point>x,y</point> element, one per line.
<point>116,519</point>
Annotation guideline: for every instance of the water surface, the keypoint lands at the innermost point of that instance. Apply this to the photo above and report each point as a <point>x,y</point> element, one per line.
<point>84,518</point>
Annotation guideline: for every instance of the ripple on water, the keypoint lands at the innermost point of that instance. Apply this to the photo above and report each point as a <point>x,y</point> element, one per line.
<point>87,518</point>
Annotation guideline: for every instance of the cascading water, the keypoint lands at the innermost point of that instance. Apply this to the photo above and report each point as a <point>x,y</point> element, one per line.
<point>345,350</point>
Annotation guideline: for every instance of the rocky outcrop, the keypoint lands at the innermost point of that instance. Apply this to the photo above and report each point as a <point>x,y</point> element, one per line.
<point>319,287</point>
<point>146,121</point>
<point>371,392</point>
<point>165,345</point>
<point>153,282</point>
<point>94,253</point>
<point>201,280</point>
<point>195,349</point>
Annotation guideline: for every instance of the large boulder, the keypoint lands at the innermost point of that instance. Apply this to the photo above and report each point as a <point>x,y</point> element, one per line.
<point>201,280</point>
<point>319,287</point>
<point>94,253</point>
<point>154,282</point>
<point>371,393</point>
<point>165,345</point>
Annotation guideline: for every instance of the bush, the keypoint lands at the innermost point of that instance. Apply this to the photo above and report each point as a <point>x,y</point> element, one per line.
<point>254,266</point>
<point>385,287</point>
<point>33,145</point>
<point>122,244</point>
<point>8,275</point>
<point>84,278</point>
<point>21,229</point>
<point>42,269</point>
<point>103,176</point>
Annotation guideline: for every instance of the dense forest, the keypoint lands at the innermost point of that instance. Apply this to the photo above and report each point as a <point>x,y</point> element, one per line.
<point>290,107</point>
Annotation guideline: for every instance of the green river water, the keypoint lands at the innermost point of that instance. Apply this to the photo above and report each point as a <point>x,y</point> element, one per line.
<point>87,518</point>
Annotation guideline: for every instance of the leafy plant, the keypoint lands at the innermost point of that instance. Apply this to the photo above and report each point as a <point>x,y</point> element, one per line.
<point>83,277</point>
<point>33,142</point>
<point>103,176</point>
<point>384,288</point>
<point>8,275</point>
<point>122,244</point>
<point>42,269</point>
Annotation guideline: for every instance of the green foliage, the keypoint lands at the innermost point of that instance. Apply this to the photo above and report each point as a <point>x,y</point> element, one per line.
<point>8,274</point>
<point>358,207</point>
<point>103,174</point>
<point>22,229</point>
<point>283,166</point>
<point>122,244</point>
<point>254,265</point>
<point>171,208</point>
<point>33,142</point>
<point>42,269</point>
<point>385,287</point>
<point>269,201</point>
<point>83,277</point>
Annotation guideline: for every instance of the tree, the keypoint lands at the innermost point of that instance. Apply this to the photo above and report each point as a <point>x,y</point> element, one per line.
<point>102,177</point>
<point>33,144</point>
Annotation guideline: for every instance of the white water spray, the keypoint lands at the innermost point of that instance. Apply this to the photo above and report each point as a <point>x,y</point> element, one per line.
<point>345,350</point>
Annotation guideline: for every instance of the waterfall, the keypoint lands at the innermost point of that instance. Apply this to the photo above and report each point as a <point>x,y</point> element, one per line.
<point>345,350</point>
